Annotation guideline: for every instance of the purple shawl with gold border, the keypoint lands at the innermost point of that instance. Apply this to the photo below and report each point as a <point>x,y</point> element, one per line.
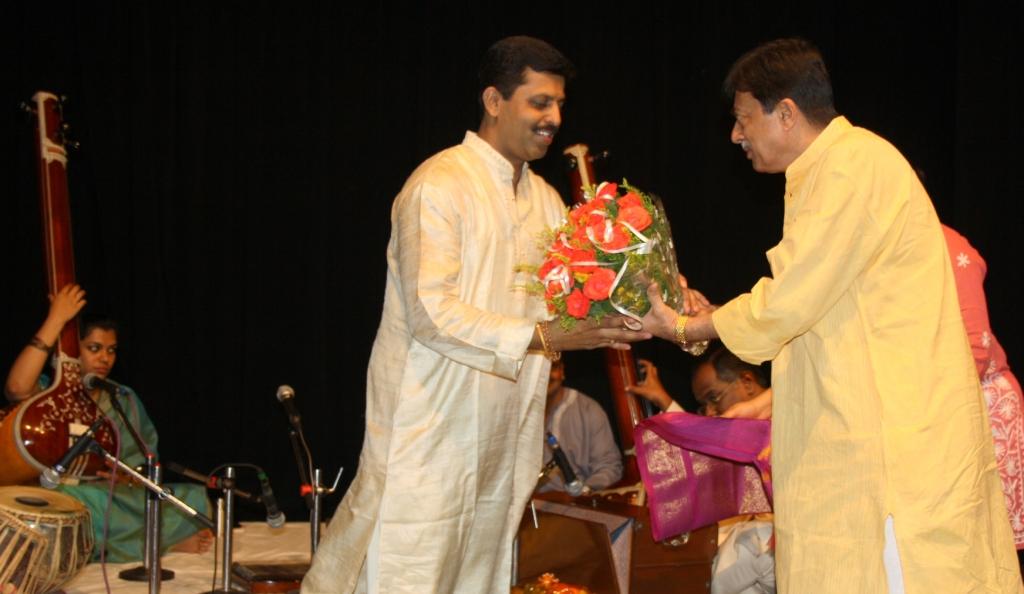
<point>699,470</point>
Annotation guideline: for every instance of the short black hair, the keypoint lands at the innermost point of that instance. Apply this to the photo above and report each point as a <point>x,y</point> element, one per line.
<point>728,367</point>
<point>784,68</point>
<point>103,322</point>
<point>504,64</point>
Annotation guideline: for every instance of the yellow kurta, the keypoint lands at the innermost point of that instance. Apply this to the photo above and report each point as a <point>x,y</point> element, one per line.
<point>454,405</point>
<point>877,407</point>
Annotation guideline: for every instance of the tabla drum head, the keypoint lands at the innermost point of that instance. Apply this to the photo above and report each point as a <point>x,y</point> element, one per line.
<point>36,500</point>
<point>62,523</point>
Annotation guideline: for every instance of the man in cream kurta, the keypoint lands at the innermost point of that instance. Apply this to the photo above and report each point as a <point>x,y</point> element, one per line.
<point>454,408</point>
<point>455,399</point>
<point>880,438</point>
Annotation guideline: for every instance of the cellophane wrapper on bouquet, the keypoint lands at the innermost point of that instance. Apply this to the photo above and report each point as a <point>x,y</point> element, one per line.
<point>601,260</point>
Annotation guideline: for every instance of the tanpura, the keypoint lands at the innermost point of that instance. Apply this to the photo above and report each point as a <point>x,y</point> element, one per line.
<point>36,433</point>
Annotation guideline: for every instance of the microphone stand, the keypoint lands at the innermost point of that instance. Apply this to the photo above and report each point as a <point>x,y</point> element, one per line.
<point>319,492</point>
<point>225,527</point>
<point>315,492</point>
<point>157,494</point>
<point>151,536</point>
<point>151,569</point>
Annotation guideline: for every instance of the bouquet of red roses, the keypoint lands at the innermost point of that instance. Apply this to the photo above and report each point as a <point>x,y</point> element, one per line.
<point>602,258</point>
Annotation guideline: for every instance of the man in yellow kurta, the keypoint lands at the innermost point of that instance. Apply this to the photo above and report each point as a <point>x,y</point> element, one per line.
<point>457,379</point>
<point>884,472</point>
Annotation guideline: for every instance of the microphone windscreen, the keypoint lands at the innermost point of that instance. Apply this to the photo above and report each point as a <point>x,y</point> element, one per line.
<point>276,521</point>
<point>285,392</point>
<point>49,479</point>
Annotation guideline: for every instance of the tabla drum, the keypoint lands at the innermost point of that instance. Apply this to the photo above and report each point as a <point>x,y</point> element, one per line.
<point>21,554</point>
<point>45,536</point>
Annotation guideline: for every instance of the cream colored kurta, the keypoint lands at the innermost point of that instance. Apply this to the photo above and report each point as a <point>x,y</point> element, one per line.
<point>877,407</point>
<point>454,405</point>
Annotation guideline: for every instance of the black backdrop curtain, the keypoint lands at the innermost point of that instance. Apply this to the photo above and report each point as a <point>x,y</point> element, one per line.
<point>231,197</point>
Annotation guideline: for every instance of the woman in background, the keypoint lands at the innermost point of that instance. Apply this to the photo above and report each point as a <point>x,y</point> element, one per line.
<point>122,523</point>
<point>1002,391</point>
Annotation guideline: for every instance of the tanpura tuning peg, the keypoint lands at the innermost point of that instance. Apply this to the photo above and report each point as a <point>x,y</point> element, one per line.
<point>26,107</point>
<point>601,156</point>
<point>65,136</point>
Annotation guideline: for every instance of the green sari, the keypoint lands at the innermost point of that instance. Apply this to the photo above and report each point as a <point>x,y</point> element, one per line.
<point>124,518</point>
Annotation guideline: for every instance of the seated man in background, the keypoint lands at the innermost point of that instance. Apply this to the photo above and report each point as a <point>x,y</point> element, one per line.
<point>725,386</point>
<point>583,432</point>
<point>118,523</point>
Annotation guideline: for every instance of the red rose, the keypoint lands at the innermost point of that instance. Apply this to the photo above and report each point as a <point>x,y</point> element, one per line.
<point>555,275</point>
<point>636,216</point>
<point>606,190</point>
<point>579,236</point>
<point>616,239</point>
<point>596,217</point>
<point>600,233</point>
<point>630,199</point>
<point>581,212</point>
<point>609,237</point>
<point>577,304</point>
<point>599,285</point>
<point>546,267</point>
<point>577,259</point>
<point>589,213</point>
<point>560,250</point>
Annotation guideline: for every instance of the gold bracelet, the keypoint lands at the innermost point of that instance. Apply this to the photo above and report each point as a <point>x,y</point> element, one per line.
<point>681,328</point>
<point>39,344</point>
<point>545,342</point>
<point>695,348</point>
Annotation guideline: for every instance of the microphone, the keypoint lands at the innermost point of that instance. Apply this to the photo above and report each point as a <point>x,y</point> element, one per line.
<point>573,485</point>
<point>211,482</point>
<point>50,477</point>
<point>92,381</point>
<point>275,519</point>
<point>286,396</point>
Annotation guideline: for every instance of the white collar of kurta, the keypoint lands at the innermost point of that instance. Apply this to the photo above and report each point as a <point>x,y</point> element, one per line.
<point>495,159</point>
<point>836,128</point>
